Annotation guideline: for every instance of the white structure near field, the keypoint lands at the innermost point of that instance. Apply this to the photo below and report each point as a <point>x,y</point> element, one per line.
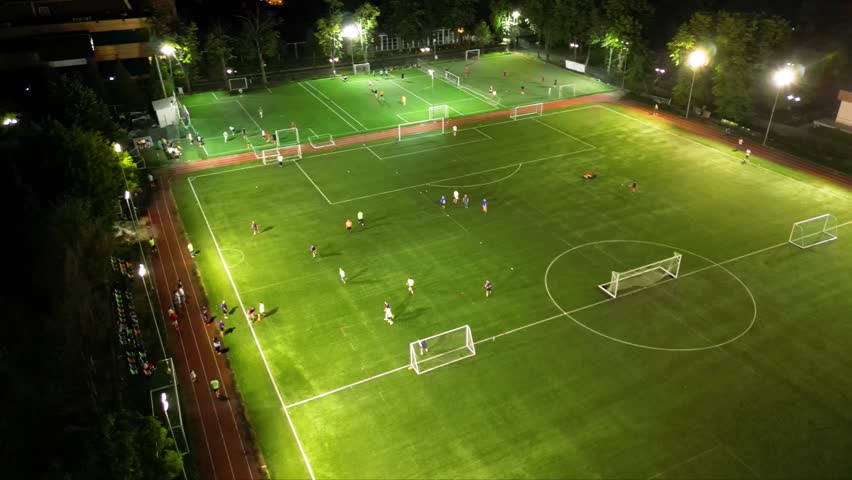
<point>844,113</point>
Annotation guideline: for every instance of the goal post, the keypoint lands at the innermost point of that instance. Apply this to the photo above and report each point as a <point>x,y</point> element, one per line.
<point>563,91</point>
<point>360,68</point>
<point>642,276</point>
<point>183,114</point>
<point>420,128</point>
<point>321,141</point>
<point>535,109</point>
<point>427,354</point>
<point>238,84</point>
<point>288,143</point>
<point>452,78</point>
<point>471,55</point>
<point>814,231</point>
<point>439,111</point>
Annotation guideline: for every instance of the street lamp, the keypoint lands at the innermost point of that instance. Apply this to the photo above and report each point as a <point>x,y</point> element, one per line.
<point>169,52</point>
<point>781,78</point>
<point>696,60</point>
<point>574,46</point>
<point>333,60</point>
<point>350,32</point>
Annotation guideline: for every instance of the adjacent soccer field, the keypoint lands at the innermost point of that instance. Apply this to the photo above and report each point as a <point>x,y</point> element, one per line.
<point>332,106</point>
<point>737,369</point>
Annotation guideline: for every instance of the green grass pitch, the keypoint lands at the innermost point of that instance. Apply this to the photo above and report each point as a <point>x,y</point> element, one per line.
<point>737,369</point>
<point>332,106</point>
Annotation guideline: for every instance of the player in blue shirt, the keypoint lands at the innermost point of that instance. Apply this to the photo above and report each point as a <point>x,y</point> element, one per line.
<point>224,307</point>
<point>423,346</point>
<point>443,202</point>
<point>487,288</point>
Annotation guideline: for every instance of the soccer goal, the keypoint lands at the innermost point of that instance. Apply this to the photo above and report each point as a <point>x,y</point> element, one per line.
<point>239,84</point>
<point>471,55</point>
<point>288,143</point>
<point>814,231</point>
<point>536,109</point>
<point>185,119</point>
<point>442,349</point>
<point>564,90</point>
<point>321,141</point>
<point>643,276</point>
<point>360,68</point>
<point>439,111</point>
<point>452,78</point>
<point>420,128</point>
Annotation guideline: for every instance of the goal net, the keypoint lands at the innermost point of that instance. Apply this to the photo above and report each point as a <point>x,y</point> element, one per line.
<point>442,349</point>
<point>566,91</point>
<point>536,109</point>
<point>288,143</point>
<point>237,84</point>
<point>321,141</point>
<point>419,129</point>
<point>452,78</point>
<point>814,231</point>
<point>643,276</point>
<point>471,55</point>
<point>183,113</point>
<point>439,111</point>
<point>360,68</point>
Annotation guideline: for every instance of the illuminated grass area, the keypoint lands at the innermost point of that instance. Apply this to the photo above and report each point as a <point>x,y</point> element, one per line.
<point>737,369</point>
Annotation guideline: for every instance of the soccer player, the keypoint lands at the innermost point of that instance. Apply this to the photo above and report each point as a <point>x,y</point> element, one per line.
<point>555,82</point>
<point>261,311</point>
<point>633,186</point>
<point>494,93</point>
<point>523,90</point>
<point>205,316</point>
<point>504,73</point>
<point>410,284</point>
<point>214,384</point>
<point>292,124</point>
<point>199,140</point>
<point>388,316</point>
<point>484,206</point>
<point>222,327</point>
<point>224,307</point>
<point>360,216</point>
<point>217,345</point>
<point>455,130</point>
<point>254,228</point>
<point>404,100</point>
<point>487,288</point>
<point>465,200</point>
<point>740,142</point>
<point>225,136</point>
<point>280,160</point>
<point>314,251</point>
<point>443,202</point>
<point>490,89</point>
<point>424,347</point>
<point>455,196</point>
<point>260,112</point>
<point>346,78</point>
<point>342,274</point>
<point>381,95</point>
<point>348,225</point>
<point>747,154</point>
<point>466,72</point>
<point>190,249</point>
<point>251,314</point>
<point>387,305</point>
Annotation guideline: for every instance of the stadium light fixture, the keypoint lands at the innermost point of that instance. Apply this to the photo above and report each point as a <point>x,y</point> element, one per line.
<point>349,31</point>
<point>697,59</point>
<point>142,270</point>
<point>168,50</point>
<point>781,78</point>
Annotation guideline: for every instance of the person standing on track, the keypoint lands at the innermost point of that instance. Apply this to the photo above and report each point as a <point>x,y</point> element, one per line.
<point>214,384</point>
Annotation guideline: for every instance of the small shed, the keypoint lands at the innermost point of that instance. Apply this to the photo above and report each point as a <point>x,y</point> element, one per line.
<point>167,111</point>
<point>844,113</point>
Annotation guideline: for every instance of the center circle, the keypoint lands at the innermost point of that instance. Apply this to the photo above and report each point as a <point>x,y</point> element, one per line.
<point>646,345</point>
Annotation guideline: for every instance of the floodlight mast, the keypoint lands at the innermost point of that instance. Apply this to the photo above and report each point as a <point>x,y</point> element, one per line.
<point>696,60</point>
<point>781,78</point>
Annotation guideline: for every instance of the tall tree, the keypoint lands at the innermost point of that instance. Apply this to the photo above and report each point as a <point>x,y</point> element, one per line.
<point>697,32</point>
<point>188,53</point>
<point>328,29</point>
<point>483,34</point>
<point>129,95</point>
<point>260,36</point>
<point>220,50</point>
<point>73,104</point>
<point>407,18</point>
<point>366,15</point>
<point>459,13</point>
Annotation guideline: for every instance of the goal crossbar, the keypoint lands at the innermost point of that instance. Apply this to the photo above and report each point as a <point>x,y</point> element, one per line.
<point>668,267</point>
<point>565,88</point>
<point>442,349</point>
<point>359,68</point>
<point>439,111</point>
<point>321,141</point>
<point>536,109</point>
<point>421,126</point>
<point>239,83</point>
<point>814,231</point>
<point>474,54</point>
<point>452,78</point>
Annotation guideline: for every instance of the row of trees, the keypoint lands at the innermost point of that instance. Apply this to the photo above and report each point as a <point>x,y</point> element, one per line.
<point>68,411</point>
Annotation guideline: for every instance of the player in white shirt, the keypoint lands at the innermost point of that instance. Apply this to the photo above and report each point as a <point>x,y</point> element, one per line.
<point>388,316</point>
<point>410,284</point>
<point>455,196</point>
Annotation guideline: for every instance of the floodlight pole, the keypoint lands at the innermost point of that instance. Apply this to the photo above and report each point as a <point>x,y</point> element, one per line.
<point>160,73</point>
<point>689,102</point>
<point>774,104</point>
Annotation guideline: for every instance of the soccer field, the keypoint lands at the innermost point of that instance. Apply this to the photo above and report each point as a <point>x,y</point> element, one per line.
<point>332,106</point>
<point>736,369</point>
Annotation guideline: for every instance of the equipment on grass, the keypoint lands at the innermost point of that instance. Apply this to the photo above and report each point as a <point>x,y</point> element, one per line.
<point>439,111</point>
<point>452,78</point>
<point>442,349</point>
<point>642,276</point>
<point>360,68</point>
<point>419,128</point>
<point>562,91</point>
<point>238,84</point>
<point>536,109</point>
<point>814,231</point>
<point>321,141</point>
<point>289,145</point>
<point>471,55</point>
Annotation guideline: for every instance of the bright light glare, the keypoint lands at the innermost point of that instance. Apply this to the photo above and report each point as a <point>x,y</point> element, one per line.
<point>142,270</point>
<point>116,147</point>
<point>167,50</point>
<point>516,14</point>
<point>111,78</point>
<point>165,401</point>
<point>350,31</point>
<point>783,77</point>
<point>126,195</point>
<point>697,58</point>
<point>431,73</point>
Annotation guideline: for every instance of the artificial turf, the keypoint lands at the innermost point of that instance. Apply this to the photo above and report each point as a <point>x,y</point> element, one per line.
<point>737,369</point>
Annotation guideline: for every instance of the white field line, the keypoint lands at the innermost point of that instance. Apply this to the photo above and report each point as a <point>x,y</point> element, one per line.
<point>312,182</point>
<point>441,185</point>
<point>253,333</point>
<point>827,192</point>
<point>328,106</point>
<point>214,95</point>
<point>402,118</point>
<point>453,109</point>
<point>684,462</point>
<point>312,131</point>
<point>249,115</point>
<point>268,90</point>
<point>435,148</point>
<point>462,176</point>
<point>551,318</point>
<point>338,106</point>
<point>412,93</point>
<point>562,132</point>
<point>371,151</point>
<point>483,133</point>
